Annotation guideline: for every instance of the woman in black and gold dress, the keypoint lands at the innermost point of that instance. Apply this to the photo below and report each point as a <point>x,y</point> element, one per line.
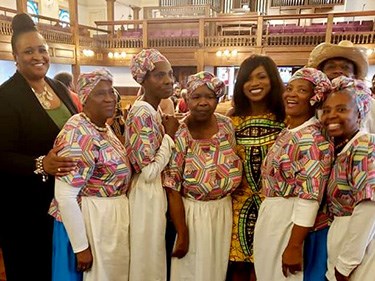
<point>258,117</point>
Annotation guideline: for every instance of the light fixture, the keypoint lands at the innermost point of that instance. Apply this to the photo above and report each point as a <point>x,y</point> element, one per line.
<point>88,53</point>
<point>117,55</point>
<point>227,53</point>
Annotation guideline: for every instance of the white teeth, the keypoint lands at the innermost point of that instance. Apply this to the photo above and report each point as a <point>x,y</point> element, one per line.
<point>257,91</point>
<point>291,102</point>
<point>333,126</point>
<point>38,64</point>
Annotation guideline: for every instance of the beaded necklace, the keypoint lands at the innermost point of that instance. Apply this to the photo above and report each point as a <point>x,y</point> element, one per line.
<point>341,145</point>
<point>44,97</point>
<point>100,129</point>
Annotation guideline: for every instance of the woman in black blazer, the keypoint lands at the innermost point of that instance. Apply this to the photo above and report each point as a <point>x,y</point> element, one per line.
<point>33,108</point>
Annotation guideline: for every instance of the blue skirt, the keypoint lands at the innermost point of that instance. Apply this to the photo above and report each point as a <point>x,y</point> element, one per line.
<point>315,256</point>
<point>64,261</point>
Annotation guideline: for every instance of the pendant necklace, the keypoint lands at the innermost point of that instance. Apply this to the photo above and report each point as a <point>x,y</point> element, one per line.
<point>44,97</point>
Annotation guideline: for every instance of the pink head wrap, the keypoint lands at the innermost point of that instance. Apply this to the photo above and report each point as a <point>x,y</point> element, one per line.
<point>208,79</point>
<point>145,61</point>
<point>322,85</point>
<point>87,82</point>
<point>357,88</point>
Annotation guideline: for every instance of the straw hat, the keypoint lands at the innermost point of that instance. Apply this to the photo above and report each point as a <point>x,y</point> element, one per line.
<point>345,49</point>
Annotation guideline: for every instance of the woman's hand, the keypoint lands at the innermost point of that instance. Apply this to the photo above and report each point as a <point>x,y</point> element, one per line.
<point>292,259</point>
<point>84,260</point>
<point>181,247</point>
<point>56,165</point>
<point>340,277</point>
<point>170,124</point>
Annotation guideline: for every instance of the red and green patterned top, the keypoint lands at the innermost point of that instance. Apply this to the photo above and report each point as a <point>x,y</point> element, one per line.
<point>103,169</point>
<point>204,169</point>
<point>352,177</point>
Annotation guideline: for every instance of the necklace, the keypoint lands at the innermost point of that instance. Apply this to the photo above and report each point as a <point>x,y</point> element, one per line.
<point>44,97</point>
<point>341,145</point>
<point>100,129</point>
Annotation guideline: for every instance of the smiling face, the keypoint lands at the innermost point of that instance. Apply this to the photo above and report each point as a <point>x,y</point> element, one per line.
<point>296,99</point>
<point>336,67</point>
<point>340,115</point>
<point>202,103</point>
<point>257,87</point>
<point>101,102</point>
<point>31,55</point>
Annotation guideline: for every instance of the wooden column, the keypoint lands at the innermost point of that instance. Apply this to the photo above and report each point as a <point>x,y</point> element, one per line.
<point>22,6</point>
<point>111,14</point>
<point>259,31</point>
<point>136,10</point>
<point>329,28</point>
<point>74,26</point>
<point>200,60</point>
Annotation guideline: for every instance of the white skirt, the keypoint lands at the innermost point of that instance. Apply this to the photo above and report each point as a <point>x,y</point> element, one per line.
<point>107,226</point>
<point>148,207</point>
<point>271,236</point>
<point>336,238</point>
<point>210,227</point>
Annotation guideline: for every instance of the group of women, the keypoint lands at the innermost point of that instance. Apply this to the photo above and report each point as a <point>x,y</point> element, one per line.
<point>248,193</point>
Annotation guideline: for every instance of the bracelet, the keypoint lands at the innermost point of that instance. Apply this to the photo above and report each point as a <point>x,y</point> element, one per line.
<point>39,168</point>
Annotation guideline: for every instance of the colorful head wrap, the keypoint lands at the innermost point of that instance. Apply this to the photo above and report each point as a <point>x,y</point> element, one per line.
<point>208,79</point>
<point>357,88</point>
<point>145,61</point>
<point>322,85</point>
<point>87,82</point>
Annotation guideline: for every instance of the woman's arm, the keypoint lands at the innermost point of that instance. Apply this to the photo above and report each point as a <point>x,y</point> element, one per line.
<point>360,233</point>
<point>303,217</point>
<point>177,212</point>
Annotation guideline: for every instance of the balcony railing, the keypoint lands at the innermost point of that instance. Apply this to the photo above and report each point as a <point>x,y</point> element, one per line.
<point>215,4</point>
<point>242,32</point>
<point>301,3</point>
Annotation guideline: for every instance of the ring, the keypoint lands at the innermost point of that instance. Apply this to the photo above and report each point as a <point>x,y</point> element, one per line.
<point>59,169</point>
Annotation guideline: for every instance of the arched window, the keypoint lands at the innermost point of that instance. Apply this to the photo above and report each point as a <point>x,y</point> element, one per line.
<point>32,8</point>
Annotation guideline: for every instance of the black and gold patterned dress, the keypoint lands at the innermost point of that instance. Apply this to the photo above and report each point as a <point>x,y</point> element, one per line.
<point>254,136</point>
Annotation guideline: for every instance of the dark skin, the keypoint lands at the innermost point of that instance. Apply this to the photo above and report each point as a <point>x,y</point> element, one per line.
<point>177,212</point>
<point>340,277</point>
<point>32,60</point>
<point>292,258</point>
<point>202,124</point>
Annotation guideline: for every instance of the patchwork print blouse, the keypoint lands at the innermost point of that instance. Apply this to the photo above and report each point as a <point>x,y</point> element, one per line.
<point>352,178</point>
<point>204,169</point>
<point>143,134</point>
<point>103,169</point>
<point>299,163</point>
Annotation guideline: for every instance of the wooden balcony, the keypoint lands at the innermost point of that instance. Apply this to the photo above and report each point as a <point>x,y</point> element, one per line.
<point>305,3</point>
<point>288,39</point>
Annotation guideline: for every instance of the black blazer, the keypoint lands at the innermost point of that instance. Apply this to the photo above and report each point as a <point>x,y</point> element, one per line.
<point>27,132</point>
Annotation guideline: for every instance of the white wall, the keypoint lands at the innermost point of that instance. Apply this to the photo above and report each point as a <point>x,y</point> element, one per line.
<point>122,76</point>
<point>11,4</point>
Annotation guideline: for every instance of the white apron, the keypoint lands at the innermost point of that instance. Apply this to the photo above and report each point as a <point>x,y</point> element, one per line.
<point>107,227</point>
<point>271,236</point>
<point>148,207</point>
<point>210,228</point>
<point>336,238</point>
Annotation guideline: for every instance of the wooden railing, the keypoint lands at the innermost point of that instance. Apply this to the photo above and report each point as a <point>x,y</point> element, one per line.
<point>211,34</point>
<point>178,11</point>
<point>215,4</point>
<point>301,3</point>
